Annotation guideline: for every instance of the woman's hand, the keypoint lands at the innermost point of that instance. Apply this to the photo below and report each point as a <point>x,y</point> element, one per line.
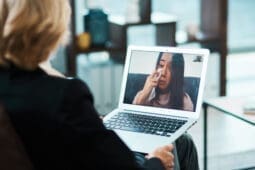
<point>151,82</point>
<point>165,154</point>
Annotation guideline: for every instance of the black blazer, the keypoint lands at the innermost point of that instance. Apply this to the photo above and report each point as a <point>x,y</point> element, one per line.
<point>59,126</point>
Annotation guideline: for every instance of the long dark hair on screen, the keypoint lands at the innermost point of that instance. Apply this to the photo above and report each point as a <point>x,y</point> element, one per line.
<point>177,81</point>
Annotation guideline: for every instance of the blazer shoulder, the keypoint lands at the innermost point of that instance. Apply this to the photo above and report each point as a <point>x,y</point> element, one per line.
<point>69,82</point>
<point>73,88</point>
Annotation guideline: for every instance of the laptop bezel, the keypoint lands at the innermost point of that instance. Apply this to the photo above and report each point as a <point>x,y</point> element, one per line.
<point>162,111</point>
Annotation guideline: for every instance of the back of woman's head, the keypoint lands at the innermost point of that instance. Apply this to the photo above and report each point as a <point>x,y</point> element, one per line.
<point>31,29</point>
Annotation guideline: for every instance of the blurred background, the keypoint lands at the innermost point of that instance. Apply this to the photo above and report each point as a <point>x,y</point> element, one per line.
<point>100,65</point>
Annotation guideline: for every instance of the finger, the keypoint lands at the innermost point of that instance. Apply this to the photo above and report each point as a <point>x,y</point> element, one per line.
<point>169,159</point>
<point>154,83</point>
<point>153,74</point>
<point>148,156</point>
<point>170,165</point>
<point>169,147</point>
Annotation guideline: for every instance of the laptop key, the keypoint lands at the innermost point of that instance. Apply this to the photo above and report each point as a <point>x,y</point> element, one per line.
<point>131,129</point>
<point>159,132</point>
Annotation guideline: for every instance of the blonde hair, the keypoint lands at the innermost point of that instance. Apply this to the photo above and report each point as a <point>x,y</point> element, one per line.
<point>31,29</point>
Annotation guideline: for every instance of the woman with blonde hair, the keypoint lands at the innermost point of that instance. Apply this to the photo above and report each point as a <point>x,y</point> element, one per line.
<point>55,117</point>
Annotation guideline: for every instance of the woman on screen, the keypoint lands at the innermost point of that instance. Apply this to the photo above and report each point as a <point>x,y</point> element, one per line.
<point>164,87</point>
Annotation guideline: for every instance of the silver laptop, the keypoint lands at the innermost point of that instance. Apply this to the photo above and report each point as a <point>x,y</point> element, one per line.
<point>161,95</point>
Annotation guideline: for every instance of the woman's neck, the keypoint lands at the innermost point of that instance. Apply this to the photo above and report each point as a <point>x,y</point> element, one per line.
<point>164,91</point>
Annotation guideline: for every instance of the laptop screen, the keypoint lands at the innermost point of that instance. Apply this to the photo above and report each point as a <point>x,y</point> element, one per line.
<point>163,79</point>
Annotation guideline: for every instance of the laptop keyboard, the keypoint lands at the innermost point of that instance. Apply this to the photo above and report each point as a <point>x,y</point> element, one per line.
<point>144,123</point>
